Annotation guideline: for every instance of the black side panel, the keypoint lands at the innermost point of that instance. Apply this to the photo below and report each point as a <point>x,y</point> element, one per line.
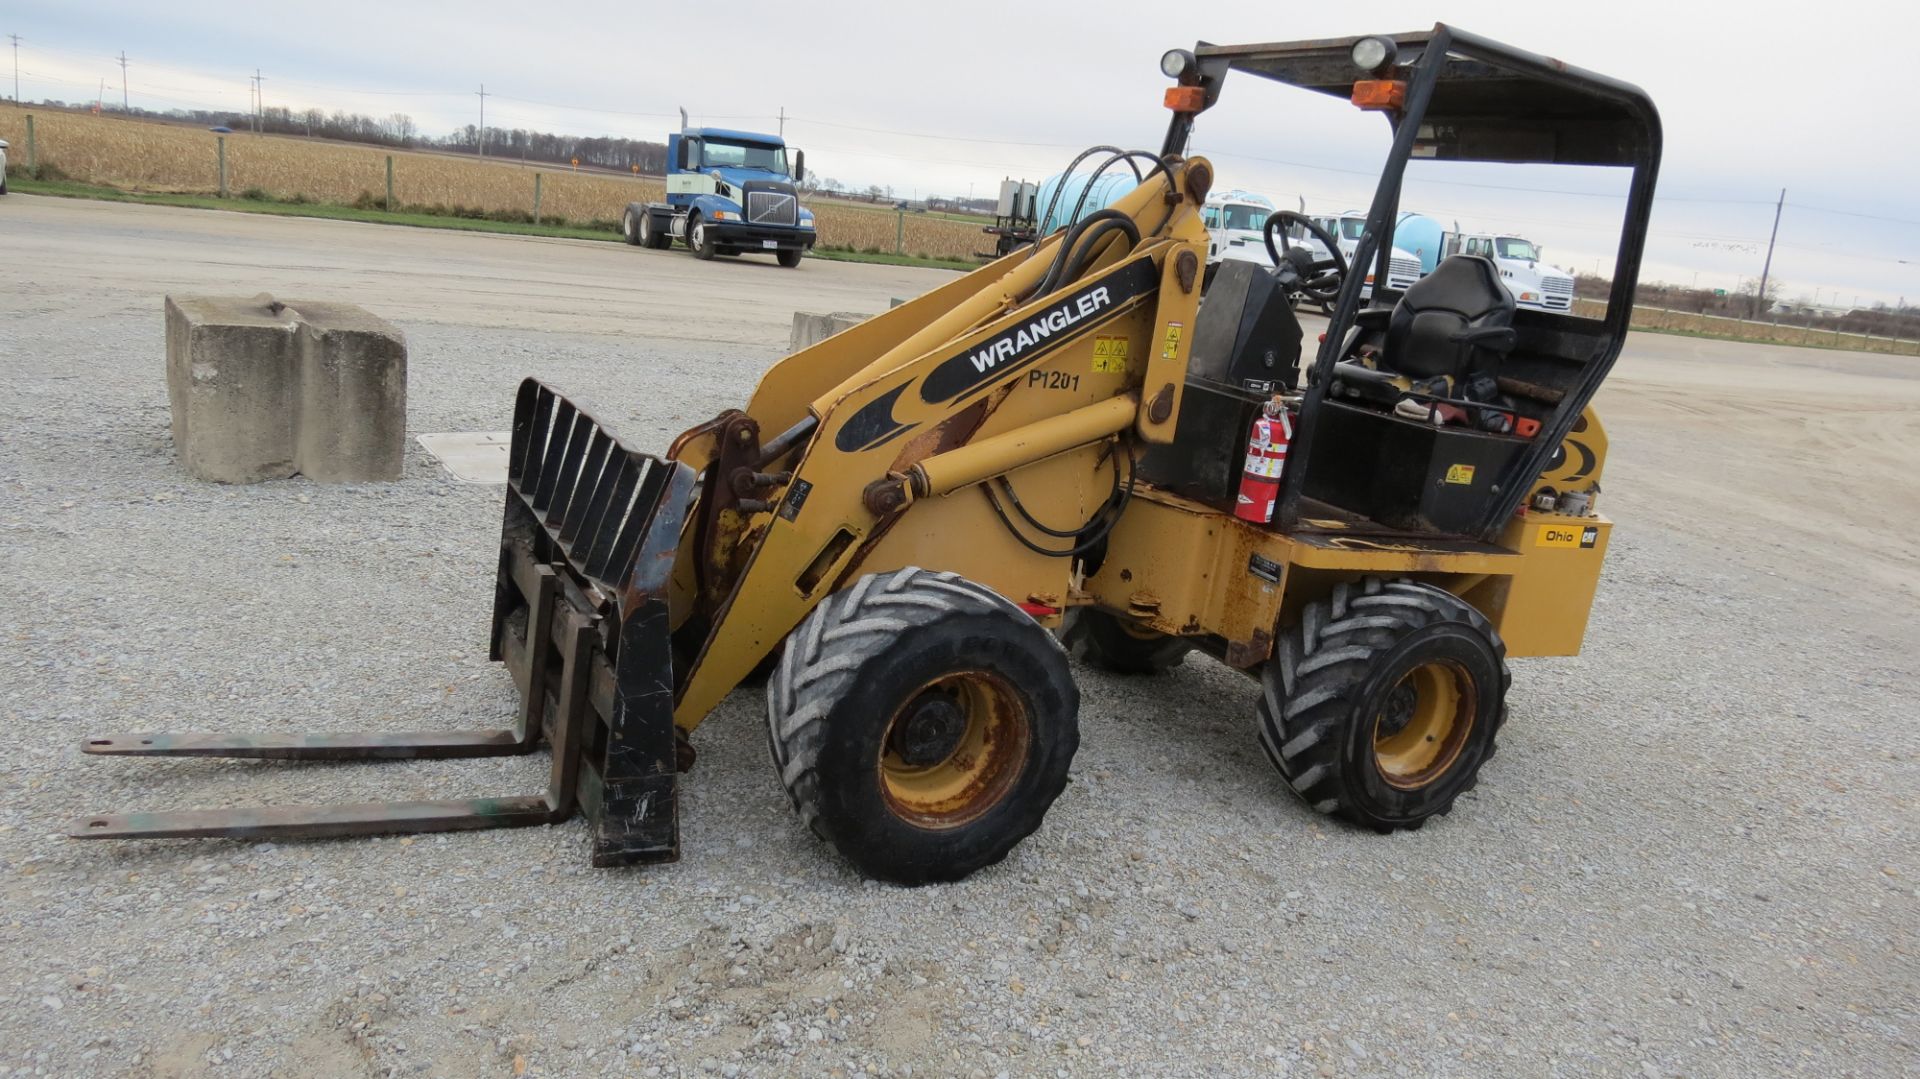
<point>1246,337</point>
<point>1209,446</point>
<point>1404,474</point>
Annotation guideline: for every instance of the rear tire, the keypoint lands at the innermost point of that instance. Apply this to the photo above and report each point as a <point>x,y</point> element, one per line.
<point>630,227</point>
<point>1381,704</point>
<point>700,238</point>
<point>651,236</point>
<point>922,724</point>
<point>790,257</point>
<point>1111,643</point>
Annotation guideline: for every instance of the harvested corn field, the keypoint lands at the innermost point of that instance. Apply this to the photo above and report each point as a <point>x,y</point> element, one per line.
<point>137,155</point>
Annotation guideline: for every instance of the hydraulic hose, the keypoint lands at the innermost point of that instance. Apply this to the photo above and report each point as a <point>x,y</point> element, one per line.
<point>1053,202</point>
<point>1075,249</point>
<point>1051,279</point>
<point>1159,165</point>
<point>1083,252</point>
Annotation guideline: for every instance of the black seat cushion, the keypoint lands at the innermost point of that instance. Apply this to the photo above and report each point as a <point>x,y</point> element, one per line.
<point>1461,296</point>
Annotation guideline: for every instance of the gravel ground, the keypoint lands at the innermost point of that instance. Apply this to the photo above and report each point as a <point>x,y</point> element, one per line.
<point>1694,854</point>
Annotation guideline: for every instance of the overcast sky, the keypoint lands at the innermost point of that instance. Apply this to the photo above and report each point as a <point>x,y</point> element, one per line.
<point>1754,97</point>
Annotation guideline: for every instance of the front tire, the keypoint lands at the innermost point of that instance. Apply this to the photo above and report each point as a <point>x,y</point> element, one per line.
<point>922,724</point>
<point>790,257</point>
<point>700,239</point>
<point>1382,702</point>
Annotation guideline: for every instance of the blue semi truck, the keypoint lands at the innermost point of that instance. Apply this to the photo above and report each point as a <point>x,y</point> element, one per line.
<point>728,193</point>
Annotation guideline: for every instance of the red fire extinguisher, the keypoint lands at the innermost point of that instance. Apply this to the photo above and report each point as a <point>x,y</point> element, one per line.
<point>1266,459</point>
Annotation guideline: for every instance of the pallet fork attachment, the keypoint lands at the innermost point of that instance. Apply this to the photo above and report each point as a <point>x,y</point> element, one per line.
<point>580,620</point>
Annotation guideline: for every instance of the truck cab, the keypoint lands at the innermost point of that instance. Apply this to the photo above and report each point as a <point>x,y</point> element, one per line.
<point>1523,271</point>
<point>1403,267</point>
<point>1236,227</point>
<point>728,193</point>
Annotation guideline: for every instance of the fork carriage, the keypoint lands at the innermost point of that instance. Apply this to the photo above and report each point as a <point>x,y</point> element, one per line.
<point>580,622</point>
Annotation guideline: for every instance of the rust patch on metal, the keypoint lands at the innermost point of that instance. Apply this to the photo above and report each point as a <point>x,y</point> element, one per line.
<point>1250,652</point>
<point>950,433</point>
<point>724,509</point>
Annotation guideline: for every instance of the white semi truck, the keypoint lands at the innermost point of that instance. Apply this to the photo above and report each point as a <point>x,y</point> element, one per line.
<point>1236,221</point>
<point>1533,283</point>
<point>1403,266</point>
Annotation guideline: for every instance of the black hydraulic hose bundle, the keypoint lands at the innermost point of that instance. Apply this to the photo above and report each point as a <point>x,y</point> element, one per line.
<point>1159,165</point>
<point>1084,154</point>
<point>1059,273</point>
<point>1077,250</point>
<point>1089,534</point>
<point>1090,228</point>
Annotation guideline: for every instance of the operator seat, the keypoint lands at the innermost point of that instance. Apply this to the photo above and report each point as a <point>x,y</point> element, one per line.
<point>1457,321</point>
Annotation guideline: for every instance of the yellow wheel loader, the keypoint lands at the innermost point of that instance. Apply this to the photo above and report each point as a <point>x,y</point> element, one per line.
<point>906,521</point>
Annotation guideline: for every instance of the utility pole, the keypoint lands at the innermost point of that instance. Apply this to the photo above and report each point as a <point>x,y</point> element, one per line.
<point>259,100</point>
<point>483,119</point>
<point>1761,296</point>
<point>16,67</point>
<point>783,123</point>
<point>123,81</point>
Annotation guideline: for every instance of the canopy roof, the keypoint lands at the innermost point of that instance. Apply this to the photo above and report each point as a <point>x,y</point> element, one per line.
<point>1489,102</point>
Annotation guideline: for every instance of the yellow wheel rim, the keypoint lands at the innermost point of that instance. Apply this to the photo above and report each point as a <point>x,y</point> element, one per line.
<point>954,749</point>
<point>1420,730</point>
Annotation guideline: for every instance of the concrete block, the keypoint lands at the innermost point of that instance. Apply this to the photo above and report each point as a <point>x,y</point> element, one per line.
<point>811,329</point>
<point>261,390</point>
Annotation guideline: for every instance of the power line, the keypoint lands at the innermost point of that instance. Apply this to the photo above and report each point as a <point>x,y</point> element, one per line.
<point>941,138</point>
<point>1852,213</point>
<point>627,112</point>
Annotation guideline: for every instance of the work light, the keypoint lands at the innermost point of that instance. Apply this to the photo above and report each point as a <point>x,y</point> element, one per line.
<point>1374,54</point>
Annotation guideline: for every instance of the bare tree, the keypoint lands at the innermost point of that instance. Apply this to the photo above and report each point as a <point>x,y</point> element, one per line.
<point>400,128</point>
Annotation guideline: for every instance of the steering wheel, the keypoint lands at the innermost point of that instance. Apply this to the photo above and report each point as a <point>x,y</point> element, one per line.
<point>1298,270</point>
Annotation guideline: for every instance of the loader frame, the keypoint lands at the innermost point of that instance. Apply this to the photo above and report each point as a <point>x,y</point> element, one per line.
<point>633,593</point>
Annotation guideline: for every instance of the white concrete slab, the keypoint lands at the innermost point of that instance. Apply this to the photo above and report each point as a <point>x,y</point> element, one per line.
<point>471,456</point>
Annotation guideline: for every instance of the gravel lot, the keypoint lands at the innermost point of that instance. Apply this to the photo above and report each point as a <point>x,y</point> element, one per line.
<point>1694,855</point>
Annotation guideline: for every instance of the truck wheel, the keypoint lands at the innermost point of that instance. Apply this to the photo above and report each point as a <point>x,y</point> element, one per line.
<point>631,226</point>
<point>1382,702</point>
<point>700,238</point>
<point>650,235</point>
<point>790,257</point>
<point>922,724</point>
<point>1112,643</point>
